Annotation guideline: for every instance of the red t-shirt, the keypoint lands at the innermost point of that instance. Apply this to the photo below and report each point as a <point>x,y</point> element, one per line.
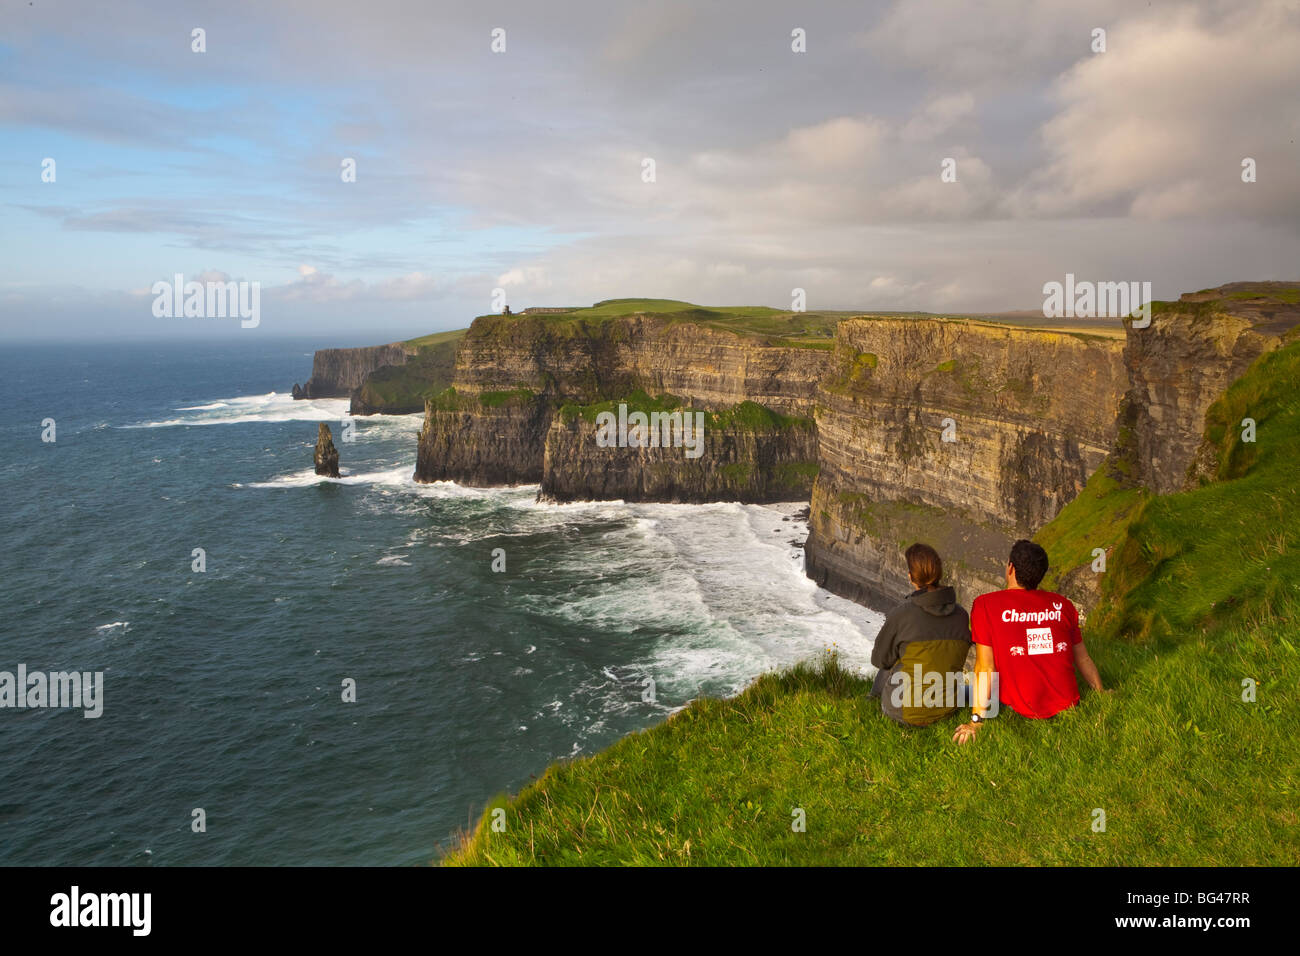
<point>1032,634</point>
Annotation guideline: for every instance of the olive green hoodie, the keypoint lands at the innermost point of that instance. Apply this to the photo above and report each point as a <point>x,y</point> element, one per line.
<point>929,631</point>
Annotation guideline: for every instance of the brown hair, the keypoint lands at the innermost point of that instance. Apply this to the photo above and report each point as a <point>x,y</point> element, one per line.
<point>924,565</point>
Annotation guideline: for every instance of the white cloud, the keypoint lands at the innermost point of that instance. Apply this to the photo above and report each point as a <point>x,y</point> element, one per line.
<point>938,116</point>
<point>843,141</point>
<point>1158,125</point>
<point>774,169</point>
<point>314,286</point>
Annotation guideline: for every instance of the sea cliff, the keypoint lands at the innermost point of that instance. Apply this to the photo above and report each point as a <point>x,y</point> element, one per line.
<point>391,379</point>
<point>960,431</point>
<point>965,434</point>
<point>525,392</point>
<point>335,373</point>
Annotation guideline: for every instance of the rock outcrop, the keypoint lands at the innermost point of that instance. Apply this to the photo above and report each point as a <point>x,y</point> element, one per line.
<point>484,439</point>
<point>1182,362</point>
<point>393,379</point>
<point>500,423</point>
<point>335,373</point>
<point>591,360</point>
<point>751,454</point>
<point>327,456</point>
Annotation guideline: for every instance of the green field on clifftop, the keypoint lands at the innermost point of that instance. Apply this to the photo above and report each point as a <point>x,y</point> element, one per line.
<point>1200,603</point>
<point>809,329</point>
<point>790,329</point>
<point>396,389</point>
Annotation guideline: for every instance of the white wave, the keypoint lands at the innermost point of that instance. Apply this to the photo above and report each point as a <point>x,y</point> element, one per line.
<point>281,407</point>
<point>124,625</point>
<point>719,588</point>
<point>742,606</point>
<point>398,475</point>
<point>450,489</point>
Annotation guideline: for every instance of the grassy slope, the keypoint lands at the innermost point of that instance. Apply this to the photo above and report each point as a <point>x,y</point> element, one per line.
<point>436,338</point>
<point>427,372</point>
<point>1227,549</point>
<point>1201,593</point>
<point>1097,518</point>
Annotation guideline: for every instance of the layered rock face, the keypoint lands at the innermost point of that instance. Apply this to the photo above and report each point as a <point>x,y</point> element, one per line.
<point>484,439</point>
<point>733,461</point>
<point>500,423</point>
<point>335,373</point>
<point>1179,365</point>
<point>326,457</point>
<point>587,361</point>
<point>1030,414</point>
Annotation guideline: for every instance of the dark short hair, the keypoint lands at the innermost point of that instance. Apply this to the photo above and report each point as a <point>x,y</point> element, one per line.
<point>1030,562</point>
<point>924,565</point>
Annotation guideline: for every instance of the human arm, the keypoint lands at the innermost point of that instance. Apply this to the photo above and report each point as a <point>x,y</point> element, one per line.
<point>1083,661</point>
<point>982,690</point>
<point>883,652</point>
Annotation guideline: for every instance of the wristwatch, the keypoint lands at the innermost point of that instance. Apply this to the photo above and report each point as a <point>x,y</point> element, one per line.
<point>975,718</point>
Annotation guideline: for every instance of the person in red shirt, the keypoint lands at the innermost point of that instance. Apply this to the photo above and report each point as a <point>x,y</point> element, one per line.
<point>1030,641</point>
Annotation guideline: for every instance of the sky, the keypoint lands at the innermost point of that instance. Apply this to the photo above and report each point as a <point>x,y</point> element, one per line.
<point>525,168</point>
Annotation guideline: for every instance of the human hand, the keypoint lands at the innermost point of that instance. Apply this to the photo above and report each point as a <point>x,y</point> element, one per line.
<point>965,733</point>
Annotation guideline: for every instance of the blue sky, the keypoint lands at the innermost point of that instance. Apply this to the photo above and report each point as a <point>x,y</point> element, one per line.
<point>522,169</point>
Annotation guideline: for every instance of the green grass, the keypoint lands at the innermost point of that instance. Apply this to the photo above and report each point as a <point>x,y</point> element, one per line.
<point>1228,548</point>
<point>403,388</point>
<point>739,471</point>
<point>1289,296</point>
<point>638,401</point>
<point>1209,307</point>
<point>746,415</point>
<point>1185,771</point>
<point>794,473</point>
<point>620,307</point>
<point>436,338</point>
<point>509,396</point>
<point>1226,301</point>
<point>810,330</point>
<point>1097,518</point>
<point>1202,594</point>
<point>754,417</point>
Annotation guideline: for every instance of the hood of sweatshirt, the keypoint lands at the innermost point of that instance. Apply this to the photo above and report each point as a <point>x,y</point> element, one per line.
<point>940,603</point>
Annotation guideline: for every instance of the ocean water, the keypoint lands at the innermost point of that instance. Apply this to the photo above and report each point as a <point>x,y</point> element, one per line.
<point>223,688</point>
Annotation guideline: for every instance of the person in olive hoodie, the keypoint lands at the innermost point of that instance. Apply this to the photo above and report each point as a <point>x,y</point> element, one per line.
<point>926,635</point>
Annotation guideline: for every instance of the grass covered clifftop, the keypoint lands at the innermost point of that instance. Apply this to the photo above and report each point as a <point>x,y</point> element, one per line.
<point>402,389</point>
<point>790,329</point>
<point>808,329</point>
<point>1192,759</point>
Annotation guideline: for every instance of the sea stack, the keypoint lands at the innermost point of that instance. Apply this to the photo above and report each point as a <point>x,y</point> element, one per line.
<point>327,456</point>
